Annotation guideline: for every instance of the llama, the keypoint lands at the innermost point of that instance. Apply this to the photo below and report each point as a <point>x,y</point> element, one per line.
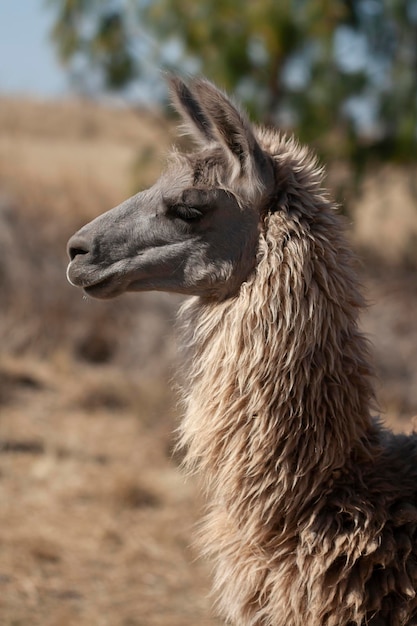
<point>312,503</point>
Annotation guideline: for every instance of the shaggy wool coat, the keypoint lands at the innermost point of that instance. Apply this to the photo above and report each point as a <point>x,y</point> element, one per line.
<point>312,511</point>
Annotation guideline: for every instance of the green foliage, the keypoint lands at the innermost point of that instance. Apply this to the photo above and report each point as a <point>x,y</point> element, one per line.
<point>97,33</point>
<point>341,73</point>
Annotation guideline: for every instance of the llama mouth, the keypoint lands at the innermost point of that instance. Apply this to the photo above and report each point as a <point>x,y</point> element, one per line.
<point>104,289</point>
<point>147,270</point>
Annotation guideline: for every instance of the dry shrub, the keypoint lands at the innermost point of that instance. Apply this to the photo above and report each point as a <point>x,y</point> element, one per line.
<point>385,218</point>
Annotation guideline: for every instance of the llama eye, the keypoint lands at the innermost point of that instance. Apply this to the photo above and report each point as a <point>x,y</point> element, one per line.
<point>187,213</point>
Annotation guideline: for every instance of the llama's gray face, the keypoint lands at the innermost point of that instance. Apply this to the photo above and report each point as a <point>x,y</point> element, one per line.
<point>196,230</point>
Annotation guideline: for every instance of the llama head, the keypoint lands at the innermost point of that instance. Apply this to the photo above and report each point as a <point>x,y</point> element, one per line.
<point>196,230</point>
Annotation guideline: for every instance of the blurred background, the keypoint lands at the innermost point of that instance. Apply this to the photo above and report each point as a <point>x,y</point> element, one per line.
<point>96,521</point>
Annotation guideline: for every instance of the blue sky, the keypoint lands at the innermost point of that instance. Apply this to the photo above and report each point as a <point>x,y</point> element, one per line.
<point>28,63</point>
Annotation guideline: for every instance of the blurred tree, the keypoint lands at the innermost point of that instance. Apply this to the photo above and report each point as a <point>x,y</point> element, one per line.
<point>342,73</point>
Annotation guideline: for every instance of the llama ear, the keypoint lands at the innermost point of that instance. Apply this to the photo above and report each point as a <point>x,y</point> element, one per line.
<point>233,130</point>
<point>189,108</point>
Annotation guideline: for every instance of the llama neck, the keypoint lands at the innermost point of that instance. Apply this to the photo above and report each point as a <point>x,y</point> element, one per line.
<point>280,385</point>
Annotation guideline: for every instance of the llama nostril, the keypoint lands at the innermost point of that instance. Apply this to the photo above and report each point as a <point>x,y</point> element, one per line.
<point>77,246</point>
<point>73,252</point>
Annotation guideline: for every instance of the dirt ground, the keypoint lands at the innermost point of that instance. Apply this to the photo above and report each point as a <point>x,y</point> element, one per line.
<point>96,518</point>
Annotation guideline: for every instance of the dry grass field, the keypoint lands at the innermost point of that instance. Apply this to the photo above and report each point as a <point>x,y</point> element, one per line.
<point>96,520</point>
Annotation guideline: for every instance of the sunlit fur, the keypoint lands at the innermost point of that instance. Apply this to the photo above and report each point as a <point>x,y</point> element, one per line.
<point>311,505</point>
